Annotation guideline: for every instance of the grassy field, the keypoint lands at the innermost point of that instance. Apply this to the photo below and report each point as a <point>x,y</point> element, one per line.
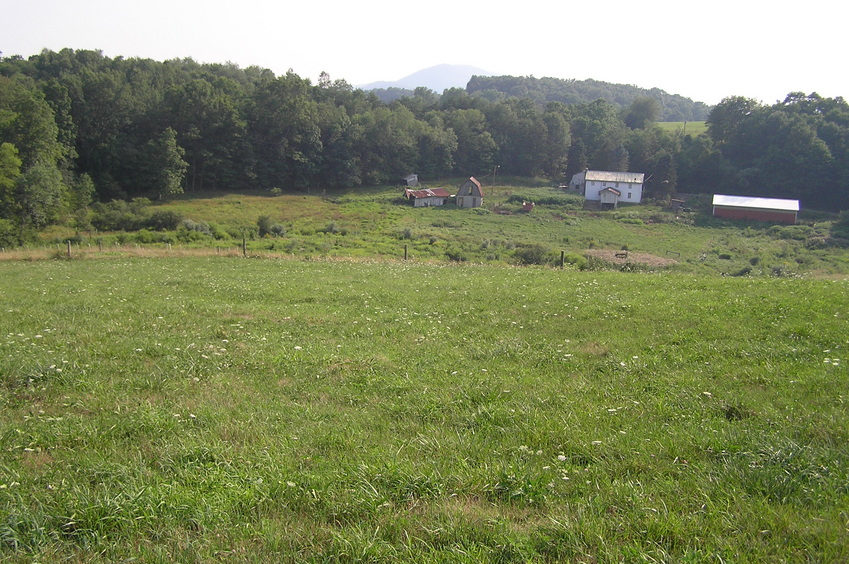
<point>694,128</point>
<point>377,222</point>
<point>228,409</point>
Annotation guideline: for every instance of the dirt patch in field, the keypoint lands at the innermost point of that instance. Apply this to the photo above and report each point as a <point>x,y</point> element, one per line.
<point>621,257</point>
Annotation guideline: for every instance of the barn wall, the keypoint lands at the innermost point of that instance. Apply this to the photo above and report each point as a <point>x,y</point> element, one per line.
<point>755,215</point>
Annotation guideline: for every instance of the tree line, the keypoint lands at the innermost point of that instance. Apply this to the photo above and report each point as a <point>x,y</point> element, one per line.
<point>78,127</point>
<point>673,107</point>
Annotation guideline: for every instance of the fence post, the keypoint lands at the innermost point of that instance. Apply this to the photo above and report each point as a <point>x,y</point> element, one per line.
<point>69,248</point>
<point>244,246</point>
<point>562,258</point>
<point>405,252</point>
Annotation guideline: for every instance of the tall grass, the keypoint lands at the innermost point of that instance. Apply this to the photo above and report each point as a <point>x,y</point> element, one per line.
<point>216,408</point>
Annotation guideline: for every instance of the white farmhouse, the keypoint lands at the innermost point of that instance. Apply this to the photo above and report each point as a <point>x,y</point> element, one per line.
<point>612,187</point>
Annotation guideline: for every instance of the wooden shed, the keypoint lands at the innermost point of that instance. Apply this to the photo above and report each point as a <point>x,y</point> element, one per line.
<point>756,209</point>
<point>609,198</point>
<point>427,197</point>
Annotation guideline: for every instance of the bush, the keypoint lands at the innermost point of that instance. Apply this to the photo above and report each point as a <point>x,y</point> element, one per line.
<point>164,220</point>
<point>145,237</point>
<point>119,215</point>
<point>794,232</point>
<point>456,255</point>
<point>579,261</point>
<point>265,226</point>
<point>532,254</point>
<point>840,228</point>
<point>332,228</point>
<point>9,235</point>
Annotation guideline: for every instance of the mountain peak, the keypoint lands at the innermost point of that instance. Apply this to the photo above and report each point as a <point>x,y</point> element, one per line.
<point>438,78</point>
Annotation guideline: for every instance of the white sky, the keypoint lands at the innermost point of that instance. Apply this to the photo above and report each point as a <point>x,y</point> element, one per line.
<point>705,51</point>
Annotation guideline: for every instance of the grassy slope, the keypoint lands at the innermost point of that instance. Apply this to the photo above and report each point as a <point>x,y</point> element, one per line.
<point>376,222</point>
<point>262,410</point>
<point>694,128</point>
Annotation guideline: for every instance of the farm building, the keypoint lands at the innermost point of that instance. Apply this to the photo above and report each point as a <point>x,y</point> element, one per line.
<point>427,197</point>
<point>609,198</point>
<point>626,186</point>
<point>758,209</point>
<point>410,180</point>
<point>470,194</point>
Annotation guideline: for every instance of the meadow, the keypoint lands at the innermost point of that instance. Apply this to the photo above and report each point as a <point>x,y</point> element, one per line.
<point>328,409</point>
<point>378,223</point>
<point>694,128</point>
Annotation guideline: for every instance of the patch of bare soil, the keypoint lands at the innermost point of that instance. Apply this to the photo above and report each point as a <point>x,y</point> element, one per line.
<point>621,257</point>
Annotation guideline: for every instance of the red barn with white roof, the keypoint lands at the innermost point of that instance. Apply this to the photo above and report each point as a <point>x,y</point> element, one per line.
<point>758,209</point>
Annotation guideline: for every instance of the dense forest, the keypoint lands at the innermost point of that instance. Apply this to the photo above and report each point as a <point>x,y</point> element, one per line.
<point>673,107</point>
<point>77,127</point>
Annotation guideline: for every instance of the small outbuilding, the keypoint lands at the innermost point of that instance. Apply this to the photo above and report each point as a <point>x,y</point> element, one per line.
<point>609,198</point>
<point>757,209</point>
<point>470,194</point>
<point>410,180</point>
<point>427,197</point>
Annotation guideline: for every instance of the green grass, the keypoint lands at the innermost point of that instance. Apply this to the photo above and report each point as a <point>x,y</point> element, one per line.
<point>220,408</point>
<point>376,222</point>
<point>694,128</point>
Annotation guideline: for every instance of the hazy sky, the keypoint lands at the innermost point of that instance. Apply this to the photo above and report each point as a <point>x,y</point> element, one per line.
<point>705,51</point>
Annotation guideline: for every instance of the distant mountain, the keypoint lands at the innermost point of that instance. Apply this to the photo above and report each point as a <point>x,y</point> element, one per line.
<point>437,78</point>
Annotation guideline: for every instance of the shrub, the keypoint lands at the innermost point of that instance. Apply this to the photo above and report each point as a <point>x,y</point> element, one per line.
<point>579,261</point>
<point>794,232</point>
<point>840,228</point>
<point>456,255</point>
<point>264,223</point>
<point>532,254</point>
<point>8,234</point>
<point>331,228</point>
<point>119,215</point>
<point>145,237</point>
<point>164,220</point>
<point>198,226</point>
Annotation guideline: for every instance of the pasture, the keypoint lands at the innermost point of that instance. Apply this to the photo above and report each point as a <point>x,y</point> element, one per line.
<point>252,410</point>
<point>378,223</point>
<point>694,128</point>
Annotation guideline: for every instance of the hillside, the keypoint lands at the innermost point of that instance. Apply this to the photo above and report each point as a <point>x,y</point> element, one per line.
<point>675,107</point>
<point>480,82</point>
<point>379,223</point>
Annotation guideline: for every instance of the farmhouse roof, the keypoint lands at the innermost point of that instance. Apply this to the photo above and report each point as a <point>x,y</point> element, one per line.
<point>428,193</point>
<point>757,203</point>
<point>608,176</point>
